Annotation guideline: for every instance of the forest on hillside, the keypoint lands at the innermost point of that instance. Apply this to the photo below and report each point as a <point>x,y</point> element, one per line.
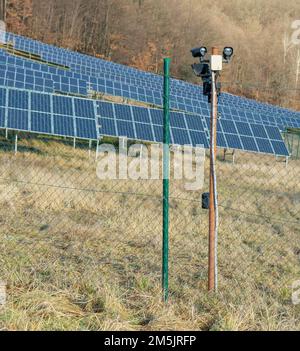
<point>140,33</point>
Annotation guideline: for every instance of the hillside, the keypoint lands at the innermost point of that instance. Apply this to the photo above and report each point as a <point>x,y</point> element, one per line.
<point>140,33</point>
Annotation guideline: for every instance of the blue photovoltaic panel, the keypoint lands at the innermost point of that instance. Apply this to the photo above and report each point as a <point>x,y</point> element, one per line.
<point>2,97</point>
<point>123,112</point>
<point>86,128</point>
<point>17,119</point>
<point>144,132</point>
<point>180,137</point>
<point>41,122</point>
<point>228,126</point>
<point>84,108</point>
<point>62,105</point>
<point>249,143</point>
<point>259,131</point>
<point>233,141</point>
<point>141,115</point>
<point>18,99</point>
<point>2,117</point>
<point>177,120</point>
<point>63,126</point>
<point>279,148</point>
<point>221,141</point>
<point>125,129</point>
<point>157,117</point>
<point>273,133</point>
<point>264,146</point>
<point>107,127</point>
<point>243,128</point>
<point>159,134</point>
<point>199,138</point>
<point>105,109</point>
<point>40,102</point>
<point>194,122</point>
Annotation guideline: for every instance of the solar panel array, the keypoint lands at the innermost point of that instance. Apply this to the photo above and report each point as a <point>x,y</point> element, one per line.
<point>48,114</point>
<point>113,79</point>
<point>244,124</point>
<point>146,124</point>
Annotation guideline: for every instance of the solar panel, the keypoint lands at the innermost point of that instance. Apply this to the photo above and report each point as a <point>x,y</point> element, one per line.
<point>105,109</point>
<point>279,148</point>
<point>125,129</point>
<point>108,127</point>
<point>17,119</point>
<point>157,117</point>
<point>40,102</point>
<point>48,114</point>
<point>180,136</point>
<point>63,125</point>
<point>141,115</point>
<point>84,108</point>
<point>264,146</point>
<point>144,132</point>
<point>86,128</point>
<point>249,143</point>
<point>62,105</point>
<point>259,131</point>
<point>18,99</point>
<point>123,112</point>
<point>199,138</point>
<point>194,122</point>
<point>41,122</point>
<point>233,141</point>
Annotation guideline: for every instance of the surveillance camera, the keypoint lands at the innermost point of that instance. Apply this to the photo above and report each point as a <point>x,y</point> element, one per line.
<point>227,53</point>
<point>199,52</point>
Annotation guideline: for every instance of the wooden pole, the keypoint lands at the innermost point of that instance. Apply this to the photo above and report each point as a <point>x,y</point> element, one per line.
<point>212,266</point>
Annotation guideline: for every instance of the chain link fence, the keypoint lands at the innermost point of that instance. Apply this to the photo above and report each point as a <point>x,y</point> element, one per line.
<point>82,253</point>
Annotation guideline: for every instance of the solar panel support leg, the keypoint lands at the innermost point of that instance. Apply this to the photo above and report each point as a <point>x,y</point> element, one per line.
<point>6,134</point>
<point>90,148</point>
<point>224,158</point>
<point>286,162</point>
<point>233,157</point>
<point>74,143</point>
<point>97,149</point>
<point>141,153</point>
<point>16,144</point>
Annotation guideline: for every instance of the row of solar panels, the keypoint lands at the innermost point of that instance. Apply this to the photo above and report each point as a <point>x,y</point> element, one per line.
<point>23,78</point>
<point>146,124</point>
<point>42,80</point>
<point>48,114</point>
<point>117,72</point>
<point>242,102</point>
<point>88,119</point>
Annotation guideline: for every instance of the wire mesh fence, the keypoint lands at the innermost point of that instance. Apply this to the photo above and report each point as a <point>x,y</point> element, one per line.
<point>89,250</point>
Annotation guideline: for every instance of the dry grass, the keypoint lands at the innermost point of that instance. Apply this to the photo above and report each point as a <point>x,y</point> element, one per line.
<point>78,253</point>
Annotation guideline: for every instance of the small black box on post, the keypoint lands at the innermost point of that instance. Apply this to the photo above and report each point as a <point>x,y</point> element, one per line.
<point>205,201</point>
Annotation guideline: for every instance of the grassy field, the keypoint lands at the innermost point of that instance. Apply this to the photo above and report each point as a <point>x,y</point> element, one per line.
<point>79,253</point>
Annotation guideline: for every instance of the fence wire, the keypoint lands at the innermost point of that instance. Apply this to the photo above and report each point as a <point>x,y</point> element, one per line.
<point>78,252</point>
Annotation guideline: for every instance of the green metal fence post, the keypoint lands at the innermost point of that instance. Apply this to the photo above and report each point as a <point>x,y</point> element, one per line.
<point>166,176</point>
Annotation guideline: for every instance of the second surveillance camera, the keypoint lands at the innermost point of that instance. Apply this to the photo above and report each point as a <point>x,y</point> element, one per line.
<point>199,52</point>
